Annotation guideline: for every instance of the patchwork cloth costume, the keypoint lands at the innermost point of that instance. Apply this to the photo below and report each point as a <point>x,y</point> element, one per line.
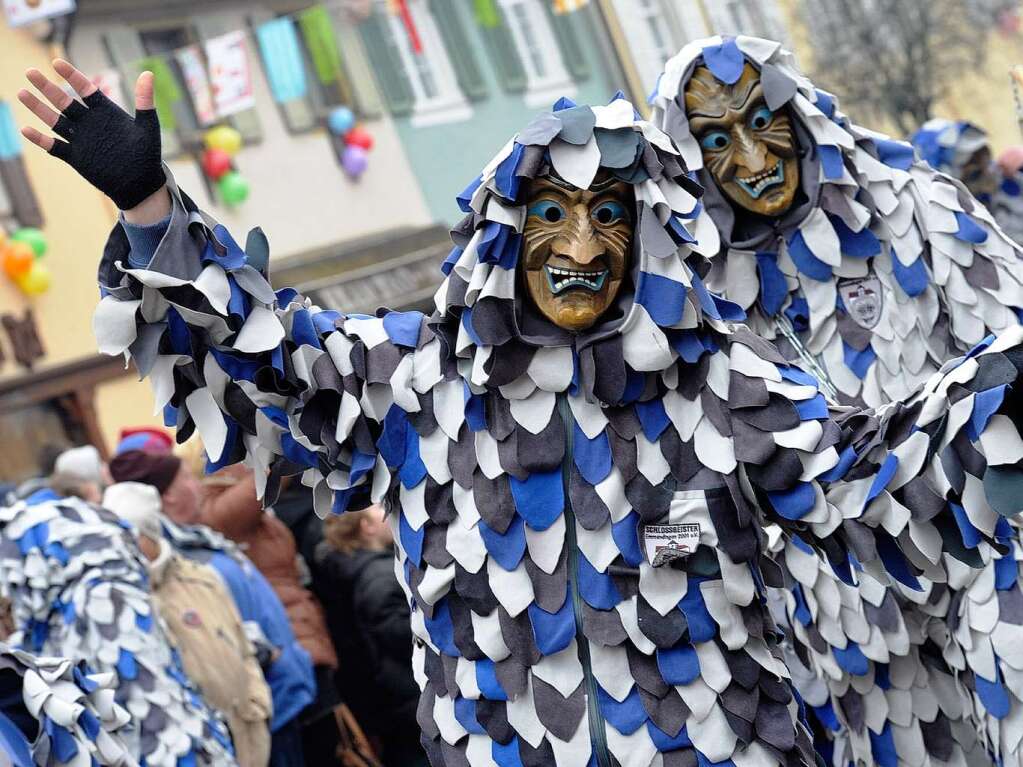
<point>54,711</point>
<point>580,516</point>
<point>880,271</point>
<point>948,145</point>
<point>78,588</point>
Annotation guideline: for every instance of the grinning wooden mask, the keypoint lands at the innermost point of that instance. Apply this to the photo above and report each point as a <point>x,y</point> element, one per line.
<point>576,246</point>
<point>749,150</point>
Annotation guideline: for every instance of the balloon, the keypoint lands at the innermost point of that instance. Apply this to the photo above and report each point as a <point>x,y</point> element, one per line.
<point>340,120</point>
<point>215,163</point>
<point>360,138</point>
<point>36,281</point>
<point>233,187</point>
<point>18,259</point>
<point>33,238</point>
<point>224,138</point>
<point>354,161</point>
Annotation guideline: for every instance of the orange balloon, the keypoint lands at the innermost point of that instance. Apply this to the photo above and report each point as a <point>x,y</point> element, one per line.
<point>18,259</point>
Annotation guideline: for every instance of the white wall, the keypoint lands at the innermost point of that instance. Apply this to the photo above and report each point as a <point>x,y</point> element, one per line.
<point>299,194</point>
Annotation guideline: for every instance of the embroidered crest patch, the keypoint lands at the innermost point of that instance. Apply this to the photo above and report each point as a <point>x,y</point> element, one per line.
<point>862,300</point>
<point>666,543</point>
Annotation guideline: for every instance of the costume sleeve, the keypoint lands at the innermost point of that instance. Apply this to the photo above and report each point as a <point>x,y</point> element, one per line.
<point>264,377</point>
<point>890,491</point>
<point>79,589</point>
<point>977,268</point>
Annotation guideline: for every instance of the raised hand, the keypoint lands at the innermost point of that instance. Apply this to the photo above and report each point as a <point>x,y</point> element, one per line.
<point>115,152</point>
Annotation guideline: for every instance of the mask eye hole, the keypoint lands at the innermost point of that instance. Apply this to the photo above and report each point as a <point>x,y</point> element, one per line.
<point>715,140</point>
<point>547,210</point>
<point>761,118</point>
<point>608,212</point>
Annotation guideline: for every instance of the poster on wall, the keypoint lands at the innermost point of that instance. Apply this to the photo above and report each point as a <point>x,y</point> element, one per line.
<point>21,12</point>
<point>230,78</point>
<point>198,84</point>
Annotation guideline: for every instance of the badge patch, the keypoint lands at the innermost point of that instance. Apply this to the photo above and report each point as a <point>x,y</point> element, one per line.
<point>862,300</point>
<point>666,543</point>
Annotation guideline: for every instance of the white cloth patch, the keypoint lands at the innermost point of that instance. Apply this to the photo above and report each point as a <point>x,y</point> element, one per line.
<point>666,543</point>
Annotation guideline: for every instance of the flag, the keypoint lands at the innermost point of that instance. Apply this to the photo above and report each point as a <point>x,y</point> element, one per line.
<point>282,58</point>
<point>318,33</point>
<point>228,60</point>
<point>198,84</point>
<point>567,6</point>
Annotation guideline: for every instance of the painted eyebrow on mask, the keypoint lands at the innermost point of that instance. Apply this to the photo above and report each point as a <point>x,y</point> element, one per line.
<point>739,102</point>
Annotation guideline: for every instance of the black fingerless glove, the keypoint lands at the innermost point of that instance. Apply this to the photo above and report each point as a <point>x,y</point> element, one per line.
<point>115,152</point>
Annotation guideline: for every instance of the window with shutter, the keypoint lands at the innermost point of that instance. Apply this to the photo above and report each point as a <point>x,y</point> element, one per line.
<point>459,49</point>
<point>387,64</point>
<point>500,46</point>
<point>245,122</point>
<point>566,30</point>
<point>547,78</point>
<point>17,199</point>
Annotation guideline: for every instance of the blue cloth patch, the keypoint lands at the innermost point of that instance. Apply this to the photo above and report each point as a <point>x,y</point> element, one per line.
<point>831,161</point>
<point>626,716</point>
<point>825,102</point>
<point>126,666</point>
<point>805,260</point>
<point>894,154</point>
<point>596,588</point>
<point>985,405</point>
<point>1006,572</point>
<point>465,713</point>
<point>540,498</point>
<point>913,278</point>
<point>802,611</point>
<point>506,755</point>
<point>969,230</point>
<point>882,746</point>
<point>971,535</point>
<point>702,627</point>
<point>993,695</point>
<point>303,332</point>
<point>812,409</point>
<point>403,328</point>
<point>487,681</point>
<point>679,664</point>
<point>845,460</point>
<point>665,742</point>
<point>592,456</point>
<point>411,539</point>
<point>861,244</point>
<point>652,417</point>
<point>895,561</point>
<point>464,199</point>
<point>505,179</point>
<point>14,743</point>
<point>858,362</point>
<point>552,632</point>
<point>626,536</point>
<point>794,503</point>
<point>882,478</point>
<point>851,659</point>
<point>725,61</point>
<point>441,629</point>
<point>773,287</point>
<point>506,549</point>
<point>663,298</point>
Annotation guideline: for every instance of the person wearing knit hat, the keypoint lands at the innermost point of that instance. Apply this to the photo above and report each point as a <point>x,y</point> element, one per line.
<point>147,438</point>
<point>178,487</point>
<point>203,622</point>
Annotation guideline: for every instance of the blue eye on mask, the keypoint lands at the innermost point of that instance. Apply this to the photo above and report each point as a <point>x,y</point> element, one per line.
<point>608,212</point>
<point>716,140</point>
<point>547,210</point>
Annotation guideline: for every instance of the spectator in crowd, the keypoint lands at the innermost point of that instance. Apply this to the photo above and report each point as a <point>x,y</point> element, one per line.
<point>147,438</point>
<point>229,505</point>
<point>203,623</point>
<point>290,669</point>
<point>368,616</point>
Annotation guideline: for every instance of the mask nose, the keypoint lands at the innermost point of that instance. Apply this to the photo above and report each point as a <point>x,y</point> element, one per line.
<point>578,242</point>
<point>749,153</point>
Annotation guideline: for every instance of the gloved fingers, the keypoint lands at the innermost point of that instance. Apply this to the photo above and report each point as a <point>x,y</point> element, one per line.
<point>77,79</point>
<point>41,140</point>
<point>64,127</point>
<point>53,92</point>
<point>98,100</point>
<point>75,110</point>
<point>38,108</point>
<point>61,149</point>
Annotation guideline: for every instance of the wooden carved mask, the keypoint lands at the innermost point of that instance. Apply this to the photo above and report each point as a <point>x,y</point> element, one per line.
<point>748,149</point>
<point>576,248</point>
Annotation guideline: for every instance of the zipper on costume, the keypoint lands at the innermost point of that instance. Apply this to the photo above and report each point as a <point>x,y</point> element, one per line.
<point>598,736</point>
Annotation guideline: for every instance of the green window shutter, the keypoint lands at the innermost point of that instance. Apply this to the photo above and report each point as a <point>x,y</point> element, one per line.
<point>364,90</point>
<point>500,46</point>
<point>386,64</point>
<point>459,49</point>
<point>567,32</point>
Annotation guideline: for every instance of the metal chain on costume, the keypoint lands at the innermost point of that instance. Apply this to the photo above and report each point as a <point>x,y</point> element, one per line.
<point>784,326</point>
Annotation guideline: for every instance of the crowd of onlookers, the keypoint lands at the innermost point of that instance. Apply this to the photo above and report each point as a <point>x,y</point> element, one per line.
<point>294,628</point>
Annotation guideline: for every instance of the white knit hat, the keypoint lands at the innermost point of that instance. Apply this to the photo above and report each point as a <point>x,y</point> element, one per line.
<point>82,463</point>
<point>137,504</point>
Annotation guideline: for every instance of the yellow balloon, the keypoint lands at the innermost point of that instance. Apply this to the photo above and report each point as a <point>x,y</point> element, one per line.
<point>224,138</point>
<point>36,280</point>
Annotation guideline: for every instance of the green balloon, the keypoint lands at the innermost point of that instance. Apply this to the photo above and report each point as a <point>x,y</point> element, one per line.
<point>32,237</point>
<point>233,187</point>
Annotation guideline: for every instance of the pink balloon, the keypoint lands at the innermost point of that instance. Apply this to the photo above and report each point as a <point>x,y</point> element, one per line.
<point>354,161</point>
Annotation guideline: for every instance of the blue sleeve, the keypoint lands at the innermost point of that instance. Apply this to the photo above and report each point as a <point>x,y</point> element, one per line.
<point>144,240</point>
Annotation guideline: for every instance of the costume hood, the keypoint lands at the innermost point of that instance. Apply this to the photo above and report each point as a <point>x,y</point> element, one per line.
<point>946,145</point>
<point>487,323</point>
